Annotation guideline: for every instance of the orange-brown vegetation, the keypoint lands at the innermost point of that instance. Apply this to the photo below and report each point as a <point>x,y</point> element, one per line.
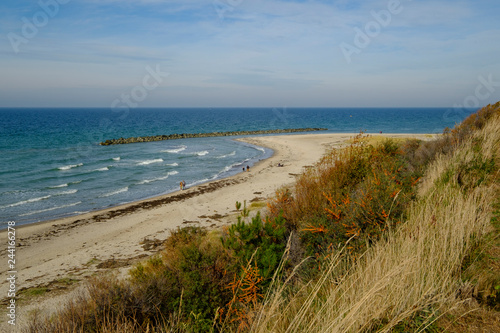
<point>374,238</point>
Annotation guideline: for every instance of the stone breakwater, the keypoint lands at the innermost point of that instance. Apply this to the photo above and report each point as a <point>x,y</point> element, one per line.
<point>122,141</point>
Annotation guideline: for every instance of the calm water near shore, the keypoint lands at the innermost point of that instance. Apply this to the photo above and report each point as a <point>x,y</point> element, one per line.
<point>51,163</point>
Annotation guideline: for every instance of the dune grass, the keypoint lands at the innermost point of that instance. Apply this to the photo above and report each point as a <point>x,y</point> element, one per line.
<point>412,276</point>
<point>414,272</point>
<point>386,237</point>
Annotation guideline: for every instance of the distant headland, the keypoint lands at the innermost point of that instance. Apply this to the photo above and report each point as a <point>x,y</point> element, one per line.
<point>122,141</point>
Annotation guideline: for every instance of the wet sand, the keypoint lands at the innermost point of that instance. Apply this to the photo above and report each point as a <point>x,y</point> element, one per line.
<point>77,247</point>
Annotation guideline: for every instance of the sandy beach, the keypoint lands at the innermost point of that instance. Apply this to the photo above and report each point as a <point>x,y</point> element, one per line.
<point>50,254</point>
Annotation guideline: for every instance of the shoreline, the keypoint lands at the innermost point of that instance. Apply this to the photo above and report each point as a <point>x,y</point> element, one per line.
<point>96,211</point>
<point>78,246</point>
<point>146,203</point>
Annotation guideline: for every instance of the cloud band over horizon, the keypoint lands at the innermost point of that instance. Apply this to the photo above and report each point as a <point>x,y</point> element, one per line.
<point>56,53</point>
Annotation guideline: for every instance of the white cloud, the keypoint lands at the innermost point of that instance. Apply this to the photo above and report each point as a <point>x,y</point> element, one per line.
<point>259,52</point>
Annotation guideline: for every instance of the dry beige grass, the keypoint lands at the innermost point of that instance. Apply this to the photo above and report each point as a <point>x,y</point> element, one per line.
<point>415,271</point>
<point>412,275</point>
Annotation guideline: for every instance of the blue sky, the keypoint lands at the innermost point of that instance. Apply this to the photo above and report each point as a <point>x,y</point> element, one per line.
<point>271,53</point>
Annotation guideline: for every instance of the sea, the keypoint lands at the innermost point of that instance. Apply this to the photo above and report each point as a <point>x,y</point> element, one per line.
<point>52,165</point>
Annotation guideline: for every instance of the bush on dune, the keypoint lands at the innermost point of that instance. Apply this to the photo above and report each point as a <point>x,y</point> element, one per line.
<point>411,279</point>
<point>372,238</point>
<point>191,273</point>
<point>186,284</point>
<point>356,193</point>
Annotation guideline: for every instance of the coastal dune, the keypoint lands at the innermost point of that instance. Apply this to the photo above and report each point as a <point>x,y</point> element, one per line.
<point>76,247</point>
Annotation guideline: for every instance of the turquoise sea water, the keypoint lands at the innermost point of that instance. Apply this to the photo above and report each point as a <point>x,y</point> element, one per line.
<point>51,163</point>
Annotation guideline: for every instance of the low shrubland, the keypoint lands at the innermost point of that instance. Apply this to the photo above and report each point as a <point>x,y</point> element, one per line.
<point>396,236</point>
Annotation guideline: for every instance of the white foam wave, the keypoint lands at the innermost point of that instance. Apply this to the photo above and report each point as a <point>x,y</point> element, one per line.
<point>147,162</point>
<point>27,201</point>
<point>65,185</point>
<point>230,154</point>
<point>50,209</point>
<point>228,168</point>
<point>79,212</point>
<point>125,189</point>
<point>102,169</point>
<point>173,164</point>
<point>174,150</point>
<point>116,158</point>
<point>67,192</point>
<point>171,173</point>
<point>201,153</point>
<point>147,181</point>
<point>59,186</point>
<point>68,167</point>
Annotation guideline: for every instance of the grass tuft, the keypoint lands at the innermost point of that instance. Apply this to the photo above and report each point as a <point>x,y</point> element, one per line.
<point>380,236</point>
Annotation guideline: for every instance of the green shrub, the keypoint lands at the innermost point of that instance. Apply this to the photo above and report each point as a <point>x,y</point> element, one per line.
<point>262,241</point>
<point>258,247</point>
<point>193,266</point>
<point>355,194</point>
<point>359,193</point>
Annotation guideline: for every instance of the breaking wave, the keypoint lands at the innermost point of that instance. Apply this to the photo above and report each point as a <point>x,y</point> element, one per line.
<point>69,167</point>
<point>147,162</point>
<point>174,150</point>
<point>124,189</point>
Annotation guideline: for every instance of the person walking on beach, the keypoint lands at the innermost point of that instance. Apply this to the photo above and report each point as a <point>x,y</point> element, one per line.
<point>181,185</point>
<point>248,168</point>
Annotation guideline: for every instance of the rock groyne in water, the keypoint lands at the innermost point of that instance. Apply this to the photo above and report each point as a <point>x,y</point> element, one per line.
<point>122,141</point>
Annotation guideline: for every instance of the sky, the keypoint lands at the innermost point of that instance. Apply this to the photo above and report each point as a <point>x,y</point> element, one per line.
<point>249,53</point>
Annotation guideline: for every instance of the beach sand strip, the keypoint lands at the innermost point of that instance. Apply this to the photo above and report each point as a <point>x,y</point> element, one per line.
<point>73,248</point>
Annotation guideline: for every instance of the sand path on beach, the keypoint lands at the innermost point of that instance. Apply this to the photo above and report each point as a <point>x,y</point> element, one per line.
<point>78,246</point>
